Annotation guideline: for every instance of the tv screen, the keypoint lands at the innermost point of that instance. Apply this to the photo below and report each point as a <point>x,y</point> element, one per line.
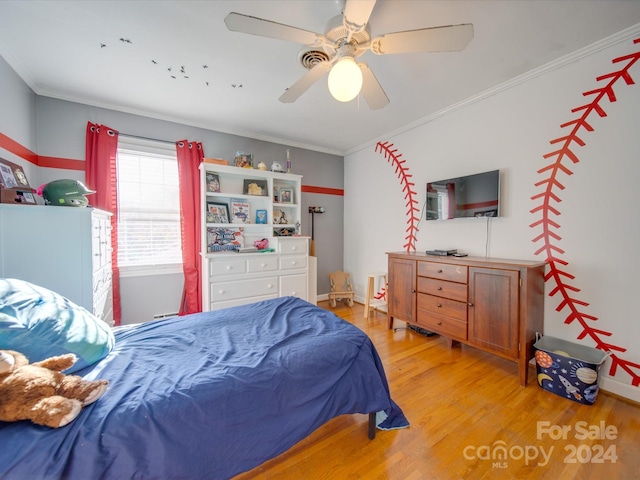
<point>464,197</point>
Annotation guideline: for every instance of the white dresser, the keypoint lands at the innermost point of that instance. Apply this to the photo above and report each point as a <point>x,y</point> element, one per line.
<point>64,249</point>
<point>238,278</point>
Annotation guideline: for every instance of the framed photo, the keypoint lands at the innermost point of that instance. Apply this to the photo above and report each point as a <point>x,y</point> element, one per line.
<point>240,211</point>
<point>243,160</point>
<point>255,187</point>
<point>213,182</point>
<point>261,216</point>
<point>217,212</point>
<point>286,195</point>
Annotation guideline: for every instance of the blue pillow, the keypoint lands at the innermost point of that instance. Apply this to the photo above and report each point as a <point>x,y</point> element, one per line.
<point>40,324</point>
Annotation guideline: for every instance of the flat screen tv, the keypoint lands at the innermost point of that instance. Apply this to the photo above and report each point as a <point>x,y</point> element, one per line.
<point>470,196</point>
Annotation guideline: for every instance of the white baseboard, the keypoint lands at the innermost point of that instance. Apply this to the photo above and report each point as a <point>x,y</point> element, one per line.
<point>609,384</point>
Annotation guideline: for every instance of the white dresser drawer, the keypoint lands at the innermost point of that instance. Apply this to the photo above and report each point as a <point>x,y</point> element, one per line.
<point>291,246</point>
<point>293,262</point>
<point>264,263</point>
<point>227,266</point>
<point>294,285</point>
<point>244,288</point>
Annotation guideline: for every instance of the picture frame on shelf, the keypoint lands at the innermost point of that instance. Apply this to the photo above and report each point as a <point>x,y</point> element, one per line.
<point>224,239</point>
<point>255,187</point>
<point>286,195</point>
<point>261,216</point>
<point>240,211</point>
<point>217,212</point>
<point>213,182</point>
<point>243,160</point>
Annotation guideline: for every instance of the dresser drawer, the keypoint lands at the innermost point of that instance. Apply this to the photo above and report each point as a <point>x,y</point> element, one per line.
<point>244,289</point>
<point>444,271</point>
<point>292,262</point>
<point>263,263</point>
<point>291,246</point>
<point>443,288</point>
<point>294,285</point>
<point>442,306</point>
<point>227,266</point>
<point>447,326</point>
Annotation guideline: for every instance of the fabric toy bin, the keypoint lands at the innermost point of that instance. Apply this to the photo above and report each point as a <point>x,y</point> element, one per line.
<point>567,369</point>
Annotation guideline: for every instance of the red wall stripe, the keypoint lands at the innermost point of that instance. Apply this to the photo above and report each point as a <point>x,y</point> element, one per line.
<point>66,163</point>
<point>71,164</point>
<point>51,162</point>
<point>17,149</point>
<point>323,190</point>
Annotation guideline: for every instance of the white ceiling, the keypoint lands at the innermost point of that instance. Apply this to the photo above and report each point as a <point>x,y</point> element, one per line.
<point>117,54</point>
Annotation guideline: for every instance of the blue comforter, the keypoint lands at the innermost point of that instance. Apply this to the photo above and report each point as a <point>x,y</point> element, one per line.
<point>208,396</point>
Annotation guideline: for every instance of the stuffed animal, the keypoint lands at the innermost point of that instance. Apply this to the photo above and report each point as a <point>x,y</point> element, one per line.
<point>40,392</point>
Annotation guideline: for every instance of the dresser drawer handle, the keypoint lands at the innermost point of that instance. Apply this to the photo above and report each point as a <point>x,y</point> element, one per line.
<point>269,285</point>
<point>438,323</point>
<point>222,292</point>
<point>439,288</point>
<point>439,270</point>
<point>439,305</point>
<point>263,265</point>
<point>228,268</point>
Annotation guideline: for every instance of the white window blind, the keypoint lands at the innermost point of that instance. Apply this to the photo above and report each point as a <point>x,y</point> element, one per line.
<point>148,204</point>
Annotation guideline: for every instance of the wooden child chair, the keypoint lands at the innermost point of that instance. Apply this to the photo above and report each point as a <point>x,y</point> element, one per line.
<point>341,288</point>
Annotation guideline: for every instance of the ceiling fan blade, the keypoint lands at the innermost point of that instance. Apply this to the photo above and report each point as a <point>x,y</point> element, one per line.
<point>305,82</point>
<point>371,89</point>
<point>237,22</point>
<point>357,13</point>
<point>450,38</point>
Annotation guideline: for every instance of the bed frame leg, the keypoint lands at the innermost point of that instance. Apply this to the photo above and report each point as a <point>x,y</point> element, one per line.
<point>372,425</point>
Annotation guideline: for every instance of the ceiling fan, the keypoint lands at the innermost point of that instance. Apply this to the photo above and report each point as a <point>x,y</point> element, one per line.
<point>347,37</point>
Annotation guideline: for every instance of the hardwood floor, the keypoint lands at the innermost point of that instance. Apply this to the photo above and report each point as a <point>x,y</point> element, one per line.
<point>466,408</point>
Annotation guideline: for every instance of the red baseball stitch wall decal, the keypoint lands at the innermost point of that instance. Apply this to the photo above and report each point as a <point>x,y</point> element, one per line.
<point>402,172</point>
<point>547,212</point>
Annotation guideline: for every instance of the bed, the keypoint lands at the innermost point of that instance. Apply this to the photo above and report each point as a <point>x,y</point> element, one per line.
<point>209,395</point>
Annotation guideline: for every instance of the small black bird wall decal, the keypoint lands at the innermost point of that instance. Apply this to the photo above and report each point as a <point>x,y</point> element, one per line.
<point>125,40</point>
<point>102,45</point>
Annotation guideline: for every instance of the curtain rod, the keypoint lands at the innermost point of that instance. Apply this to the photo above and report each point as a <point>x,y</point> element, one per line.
<point>146,138</point>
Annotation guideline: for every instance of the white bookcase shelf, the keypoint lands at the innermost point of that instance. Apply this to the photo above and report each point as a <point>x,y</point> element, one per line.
<point>231,278</point>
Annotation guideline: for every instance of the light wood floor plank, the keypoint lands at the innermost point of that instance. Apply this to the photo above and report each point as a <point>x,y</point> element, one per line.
<point>462,403</point>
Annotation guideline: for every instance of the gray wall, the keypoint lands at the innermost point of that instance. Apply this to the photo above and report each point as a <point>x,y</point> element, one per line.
<point>61,133</point>
<point>17,117</point>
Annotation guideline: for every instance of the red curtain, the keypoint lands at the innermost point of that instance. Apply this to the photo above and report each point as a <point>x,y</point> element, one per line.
<point>190,155</point>
<point>100,175</point>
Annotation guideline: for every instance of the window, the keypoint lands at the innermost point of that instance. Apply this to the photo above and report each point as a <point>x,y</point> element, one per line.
<point>148,205</point>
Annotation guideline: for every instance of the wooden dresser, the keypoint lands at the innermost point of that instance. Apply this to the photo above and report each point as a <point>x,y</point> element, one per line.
<point>495,305</point>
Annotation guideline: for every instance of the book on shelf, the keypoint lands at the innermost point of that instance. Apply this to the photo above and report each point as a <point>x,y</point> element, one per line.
<point>261,216</point>
<point>240,211</point>
<point>224,238</point>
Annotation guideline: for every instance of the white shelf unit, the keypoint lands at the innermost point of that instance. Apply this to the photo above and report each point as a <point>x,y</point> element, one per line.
<point>231,278</point>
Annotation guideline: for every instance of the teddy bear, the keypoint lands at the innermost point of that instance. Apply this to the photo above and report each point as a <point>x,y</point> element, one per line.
<point>40,392</point>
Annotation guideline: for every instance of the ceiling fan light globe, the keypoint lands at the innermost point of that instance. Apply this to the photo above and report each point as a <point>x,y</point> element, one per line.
<point>345,80</point>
